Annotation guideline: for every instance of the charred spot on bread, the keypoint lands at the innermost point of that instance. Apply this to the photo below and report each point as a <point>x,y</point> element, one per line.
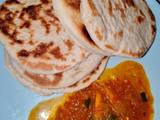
<point>69,44</point>
<point>21,16</point>
<point>40,49</point>
<point>9,17</point>
<point>40,80</point>
<point>120,9</point>
<point>129,3</point>
<point>110,9</point>
<point>110,47</point>
<point>33,11</point>
<point>93,8</point>
<point>19,41</point>
<point>23,53</point>
<point>4,27</point>
<point>12,1</point>
<point>45,1</point>
<point>75,4</point>
<point>26,24</point>
<point>119,35</point>
<point>49,12</point>
<point>46,25</point>
<point>140,19</point>
<point>99,34</point>
<point>3,8</point>
<point>57,53</point>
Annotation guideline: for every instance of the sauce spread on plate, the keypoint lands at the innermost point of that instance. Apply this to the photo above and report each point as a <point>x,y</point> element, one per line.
<point>121,93</point>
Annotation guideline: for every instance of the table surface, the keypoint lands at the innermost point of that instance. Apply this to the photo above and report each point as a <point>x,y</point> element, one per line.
<point>16,101</point>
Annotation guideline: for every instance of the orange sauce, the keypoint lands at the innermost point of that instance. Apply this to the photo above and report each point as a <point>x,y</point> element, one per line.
<point>87,104</point>
<point>127,89</point>
<point>121,93</point>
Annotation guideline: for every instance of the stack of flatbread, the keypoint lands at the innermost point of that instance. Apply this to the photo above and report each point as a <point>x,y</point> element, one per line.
<point>54,46</point>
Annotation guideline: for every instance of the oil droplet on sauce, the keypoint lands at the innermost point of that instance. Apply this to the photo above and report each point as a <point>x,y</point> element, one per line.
<point>121,93</point>
<point>41,111</point>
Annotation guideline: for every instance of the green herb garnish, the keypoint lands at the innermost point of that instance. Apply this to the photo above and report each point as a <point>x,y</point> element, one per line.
<point>143,96</point>
<point>112,117</point>
<point>87,102</point>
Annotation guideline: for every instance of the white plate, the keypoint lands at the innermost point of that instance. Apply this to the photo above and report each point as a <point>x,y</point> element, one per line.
<point>16,101</point>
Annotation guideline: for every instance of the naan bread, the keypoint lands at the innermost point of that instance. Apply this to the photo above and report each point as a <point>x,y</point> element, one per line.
<point>68,12</point>
<point>35,38</point>
<point>42,90</point>
<point>62,79</point>
<point>120,27</point>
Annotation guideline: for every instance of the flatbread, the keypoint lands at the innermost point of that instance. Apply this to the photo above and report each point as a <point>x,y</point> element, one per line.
<point>120,27</point>
<point>83,83</point>
<point>68,12</point>
<point>35,38</point>
<point>62,79</point>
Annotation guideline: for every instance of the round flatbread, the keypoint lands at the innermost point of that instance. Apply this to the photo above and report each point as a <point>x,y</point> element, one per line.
<point>68,12</point>
<point>35,38</point>
<point>62,79</point>
<point>83,83</point>
<point>120,27</point>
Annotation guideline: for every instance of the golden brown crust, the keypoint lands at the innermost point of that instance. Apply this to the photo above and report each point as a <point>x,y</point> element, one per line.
<point>123,23</point>
<point>34,32</point>
<point>44,81</point>
<point>75,4</point>
<point>93,8</point>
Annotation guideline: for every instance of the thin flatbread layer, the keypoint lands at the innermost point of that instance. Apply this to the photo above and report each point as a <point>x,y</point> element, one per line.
<point>120,27</point>
<point>83,83</point>
<point>62,79</point>
<point>68,12</point>
<point>34,36</point>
